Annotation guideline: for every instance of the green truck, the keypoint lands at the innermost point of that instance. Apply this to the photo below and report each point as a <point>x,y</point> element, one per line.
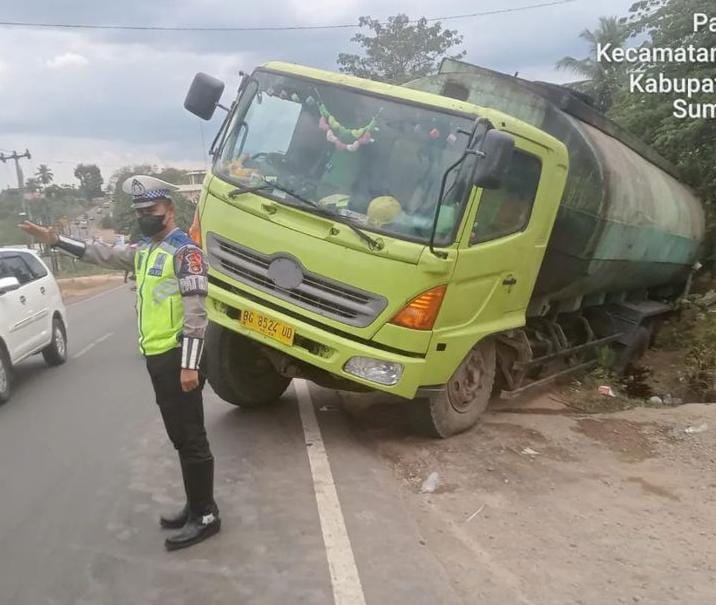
<point>465,234</point>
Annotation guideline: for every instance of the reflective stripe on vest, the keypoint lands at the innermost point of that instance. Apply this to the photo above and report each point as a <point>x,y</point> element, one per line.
<point>160,313</point>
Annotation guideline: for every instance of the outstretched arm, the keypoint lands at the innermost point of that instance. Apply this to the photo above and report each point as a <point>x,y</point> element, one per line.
<point>112,257</point>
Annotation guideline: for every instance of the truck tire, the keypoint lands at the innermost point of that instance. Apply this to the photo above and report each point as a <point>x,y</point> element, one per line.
<point>634,351</point>
<point>238,372</point>
<point>5,375</point>
<point>465,397</point>
<point>55,353</point>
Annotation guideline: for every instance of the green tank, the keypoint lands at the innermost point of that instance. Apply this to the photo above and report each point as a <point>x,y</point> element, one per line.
<point>626,226</point>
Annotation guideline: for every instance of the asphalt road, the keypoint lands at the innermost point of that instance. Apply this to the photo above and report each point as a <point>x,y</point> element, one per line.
<point>310,515</point>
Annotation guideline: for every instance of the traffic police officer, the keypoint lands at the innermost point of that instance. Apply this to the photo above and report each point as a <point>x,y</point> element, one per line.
<point>172,286</point>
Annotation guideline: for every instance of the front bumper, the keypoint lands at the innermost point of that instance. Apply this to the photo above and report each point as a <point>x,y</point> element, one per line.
<point>315,345</point>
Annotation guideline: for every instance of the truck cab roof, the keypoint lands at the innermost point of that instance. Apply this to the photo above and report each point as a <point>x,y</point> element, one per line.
<point>500,120</point>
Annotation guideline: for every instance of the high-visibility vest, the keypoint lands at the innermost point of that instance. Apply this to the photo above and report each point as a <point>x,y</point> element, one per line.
<point>160,313</point>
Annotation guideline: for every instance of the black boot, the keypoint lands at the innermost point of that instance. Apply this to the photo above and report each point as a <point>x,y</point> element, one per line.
<point>175,520</point>
<point>203,520</point>
<point>196,529</point>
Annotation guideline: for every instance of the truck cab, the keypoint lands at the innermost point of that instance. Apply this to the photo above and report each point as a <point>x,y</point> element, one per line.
<point>369,237</point>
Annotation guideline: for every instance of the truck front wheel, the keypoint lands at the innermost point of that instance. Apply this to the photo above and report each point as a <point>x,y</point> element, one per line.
<point>238,372</point>
<point>465,397</point>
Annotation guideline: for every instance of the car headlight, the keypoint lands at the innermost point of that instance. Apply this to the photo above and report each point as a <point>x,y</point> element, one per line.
<point>375,370</point>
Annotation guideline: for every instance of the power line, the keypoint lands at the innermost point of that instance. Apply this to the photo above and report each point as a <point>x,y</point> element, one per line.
<point>40,25</point>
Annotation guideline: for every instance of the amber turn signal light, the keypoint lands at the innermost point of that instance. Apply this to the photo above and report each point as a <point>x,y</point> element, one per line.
<point>421,312</point>
<point>195,229</point>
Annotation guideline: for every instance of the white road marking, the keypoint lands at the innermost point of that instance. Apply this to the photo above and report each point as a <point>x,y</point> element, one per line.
<point>91,345</point>
<point>347,589</point>
<point>84,300</point>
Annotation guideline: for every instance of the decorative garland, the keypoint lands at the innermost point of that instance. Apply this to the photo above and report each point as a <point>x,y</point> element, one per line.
<point>338,134</point>
<point>344,139</point>
<point>351,139</point>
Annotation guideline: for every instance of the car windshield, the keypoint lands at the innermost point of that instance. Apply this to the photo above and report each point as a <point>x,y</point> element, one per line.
<point>375,162</point>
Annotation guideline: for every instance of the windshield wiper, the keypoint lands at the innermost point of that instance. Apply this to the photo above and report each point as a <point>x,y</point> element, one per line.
<point>374,244</point>
<point>241,189</point>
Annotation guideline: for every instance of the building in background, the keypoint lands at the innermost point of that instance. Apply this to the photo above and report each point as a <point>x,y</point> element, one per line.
<point>192,190</point>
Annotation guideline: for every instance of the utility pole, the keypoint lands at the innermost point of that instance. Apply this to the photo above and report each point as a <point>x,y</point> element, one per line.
<point>17,157</point>
<point>20,180</point>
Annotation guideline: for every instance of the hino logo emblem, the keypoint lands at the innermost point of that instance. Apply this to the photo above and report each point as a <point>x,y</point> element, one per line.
<point>285,273</point>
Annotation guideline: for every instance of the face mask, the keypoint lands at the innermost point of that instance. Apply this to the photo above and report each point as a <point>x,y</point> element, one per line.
<point>151,224</point>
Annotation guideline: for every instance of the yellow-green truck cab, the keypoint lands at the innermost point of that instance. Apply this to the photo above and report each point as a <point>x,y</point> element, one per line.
<point>329,258</point>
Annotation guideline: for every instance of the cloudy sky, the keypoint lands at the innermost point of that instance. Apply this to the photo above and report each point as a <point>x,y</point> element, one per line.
<point>115,97</point>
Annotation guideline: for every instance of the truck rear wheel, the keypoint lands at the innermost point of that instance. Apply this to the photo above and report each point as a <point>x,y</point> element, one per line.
<point>635,350</point>
<point>465,397</point>
<point>238,372</point>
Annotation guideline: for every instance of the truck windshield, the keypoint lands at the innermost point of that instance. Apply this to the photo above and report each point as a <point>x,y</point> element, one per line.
<point>376,162</point>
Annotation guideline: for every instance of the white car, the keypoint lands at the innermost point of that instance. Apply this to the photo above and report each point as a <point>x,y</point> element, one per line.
<point>32,315</point>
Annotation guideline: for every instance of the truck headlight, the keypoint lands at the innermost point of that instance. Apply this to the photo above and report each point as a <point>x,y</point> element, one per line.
<point>375,370</point>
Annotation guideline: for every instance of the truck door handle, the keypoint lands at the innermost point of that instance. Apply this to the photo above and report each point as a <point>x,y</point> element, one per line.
<point>23,300</point>
<point>509,281</point>
<point>42,289</point>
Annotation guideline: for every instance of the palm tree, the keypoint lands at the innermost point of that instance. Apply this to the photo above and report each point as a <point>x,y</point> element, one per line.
<point>32,185</point>
<point>602,81</point>
<point>44,175</point>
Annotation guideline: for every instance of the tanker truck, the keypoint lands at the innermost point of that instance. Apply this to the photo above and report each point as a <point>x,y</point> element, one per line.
<point>466,235</point>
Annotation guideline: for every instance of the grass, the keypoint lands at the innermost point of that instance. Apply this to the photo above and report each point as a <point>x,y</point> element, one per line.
<point>85,270</point>
<point>77,268</point>
<point>694,333</point>
<point>689,337</point>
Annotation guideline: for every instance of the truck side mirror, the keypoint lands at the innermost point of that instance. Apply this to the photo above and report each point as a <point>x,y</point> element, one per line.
<point>496,150</point>
<point>8,284</point>
<point>204,95</point>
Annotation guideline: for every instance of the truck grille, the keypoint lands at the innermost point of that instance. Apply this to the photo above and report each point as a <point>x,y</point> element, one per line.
<point>315,293</point>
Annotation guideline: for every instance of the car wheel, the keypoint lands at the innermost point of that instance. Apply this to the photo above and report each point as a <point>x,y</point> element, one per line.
<point>55,353</point>
<point>5,376</point>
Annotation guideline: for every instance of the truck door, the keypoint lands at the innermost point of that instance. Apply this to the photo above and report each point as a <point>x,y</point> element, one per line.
<point>505,240</point>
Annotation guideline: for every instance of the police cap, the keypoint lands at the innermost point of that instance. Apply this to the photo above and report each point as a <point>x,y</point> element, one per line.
<point>147,190</point>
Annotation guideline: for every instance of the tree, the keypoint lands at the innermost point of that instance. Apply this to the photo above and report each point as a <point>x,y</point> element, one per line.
<point>33,185</point>
<point>44,175</point>
<point>107,222</point>
<point>690,144</point>
<point>399,50</point>
<point>57,192</point>
<point>90,179</point>
<point>603,81</point>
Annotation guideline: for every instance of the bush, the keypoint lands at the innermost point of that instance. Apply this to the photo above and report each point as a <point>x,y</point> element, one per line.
<point>701,358</point>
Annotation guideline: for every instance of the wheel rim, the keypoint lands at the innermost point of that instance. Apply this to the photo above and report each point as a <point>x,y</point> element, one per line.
<point>466,383</point>
<point>261,368</point>
<point>3,378</point>
<point>60,342</point>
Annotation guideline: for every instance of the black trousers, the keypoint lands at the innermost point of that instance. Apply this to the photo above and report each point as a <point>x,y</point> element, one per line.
<point>183,415</point>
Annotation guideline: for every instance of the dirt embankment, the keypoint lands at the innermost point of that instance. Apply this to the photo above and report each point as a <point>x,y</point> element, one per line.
<point>76,288</point>
<point>541,504</point>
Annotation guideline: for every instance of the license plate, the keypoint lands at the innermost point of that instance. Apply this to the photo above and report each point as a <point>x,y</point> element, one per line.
<point>258,322</point>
